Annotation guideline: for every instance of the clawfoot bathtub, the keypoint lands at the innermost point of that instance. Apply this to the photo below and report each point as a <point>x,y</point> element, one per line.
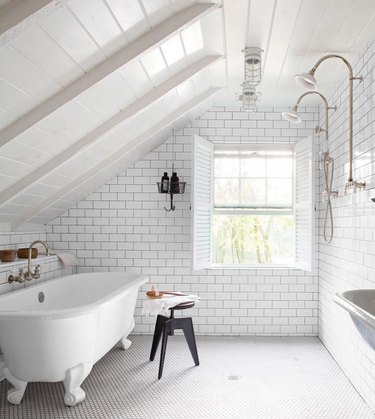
<point>57,330</point>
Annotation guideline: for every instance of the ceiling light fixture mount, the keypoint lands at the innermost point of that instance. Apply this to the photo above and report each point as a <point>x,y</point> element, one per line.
<point>252,77</point>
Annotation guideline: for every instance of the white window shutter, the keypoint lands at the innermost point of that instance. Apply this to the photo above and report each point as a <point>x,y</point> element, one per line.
<point>202,174</point>
<point>304,203</point>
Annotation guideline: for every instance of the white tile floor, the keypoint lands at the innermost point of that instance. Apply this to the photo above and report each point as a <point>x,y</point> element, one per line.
<point>239,377</point>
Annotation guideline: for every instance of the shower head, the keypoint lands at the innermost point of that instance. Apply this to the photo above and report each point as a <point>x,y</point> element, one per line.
<point>292,116</point>
<point>373,199</point>
<point>307,80</point>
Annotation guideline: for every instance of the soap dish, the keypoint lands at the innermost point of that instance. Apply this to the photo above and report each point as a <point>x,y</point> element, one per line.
<point>152,295</point>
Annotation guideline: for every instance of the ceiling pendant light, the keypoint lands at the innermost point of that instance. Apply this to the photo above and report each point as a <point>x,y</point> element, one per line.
<point>253,66</point>
<point>252,77</point>
<point>249,98</point>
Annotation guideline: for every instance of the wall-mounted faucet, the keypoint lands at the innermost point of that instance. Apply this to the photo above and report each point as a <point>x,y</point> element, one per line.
<point>28,276</point>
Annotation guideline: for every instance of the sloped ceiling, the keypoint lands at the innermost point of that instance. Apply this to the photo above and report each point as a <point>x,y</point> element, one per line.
<point>89,86</point>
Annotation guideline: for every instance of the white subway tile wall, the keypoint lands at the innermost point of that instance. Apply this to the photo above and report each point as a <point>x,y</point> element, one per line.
<point>123,226</point>
<point>349,261</point>
<point>15,240</point>
<point>51,267</point>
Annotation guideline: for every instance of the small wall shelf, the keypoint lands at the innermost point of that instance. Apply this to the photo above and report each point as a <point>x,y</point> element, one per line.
<point>173,189</point>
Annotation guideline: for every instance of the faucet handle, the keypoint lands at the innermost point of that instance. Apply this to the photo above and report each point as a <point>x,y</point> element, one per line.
<point>12,277</point>
<point>21,276</point>
<point>37,272</point>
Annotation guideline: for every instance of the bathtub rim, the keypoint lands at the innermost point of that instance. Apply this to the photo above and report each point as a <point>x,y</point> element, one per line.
<point>86,309</point>
<point>342,299</point>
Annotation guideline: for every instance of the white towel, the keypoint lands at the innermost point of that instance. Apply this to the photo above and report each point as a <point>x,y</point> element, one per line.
<point>162,305</point>
<point>67,259</point>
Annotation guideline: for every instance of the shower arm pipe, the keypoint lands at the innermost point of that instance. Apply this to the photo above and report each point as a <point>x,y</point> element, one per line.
<point>351,78</point>
<point>327,107</point>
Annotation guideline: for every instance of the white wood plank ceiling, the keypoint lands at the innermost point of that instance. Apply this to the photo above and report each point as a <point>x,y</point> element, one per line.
<point>294,34</point>
<point>89,86</point>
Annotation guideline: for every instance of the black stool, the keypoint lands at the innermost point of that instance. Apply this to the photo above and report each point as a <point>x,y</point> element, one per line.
<point>166,326</point>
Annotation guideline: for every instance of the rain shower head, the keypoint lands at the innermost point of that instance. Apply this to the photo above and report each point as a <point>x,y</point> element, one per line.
<point>307,80</point>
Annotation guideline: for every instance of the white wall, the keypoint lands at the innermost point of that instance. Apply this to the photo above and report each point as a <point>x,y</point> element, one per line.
<point>123,226</point>
<point>51,267</point>
<point>349,261</point>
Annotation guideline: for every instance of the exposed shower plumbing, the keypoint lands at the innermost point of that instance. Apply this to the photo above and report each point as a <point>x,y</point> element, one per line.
<point>326,162</point>
<point>308,81</point>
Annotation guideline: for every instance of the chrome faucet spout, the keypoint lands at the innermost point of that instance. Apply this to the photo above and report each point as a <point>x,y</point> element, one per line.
<point>29,274</point>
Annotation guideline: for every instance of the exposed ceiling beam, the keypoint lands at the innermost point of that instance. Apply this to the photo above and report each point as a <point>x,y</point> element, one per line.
<point>115,157</point>
<point>111,124</point>
<point>135,50</point>
<point>18,11</point>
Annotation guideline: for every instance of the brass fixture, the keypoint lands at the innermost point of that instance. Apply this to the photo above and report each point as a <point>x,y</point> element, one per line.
<point>36,274</point>
<point>28,276</point>
<point>307,80</point>
<point>20,278</point>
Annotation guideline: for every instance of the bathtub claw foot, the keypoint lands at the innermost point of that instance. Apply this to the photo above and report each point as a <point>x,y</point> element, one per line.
<point>74,378</point>
<point>15,394</point>
<point>125,343</point>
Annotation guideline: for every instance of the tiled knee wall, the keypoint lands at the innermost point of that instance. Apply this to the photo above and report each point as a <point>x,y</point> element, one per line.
<point>123,226</point>
<point>349,261</point>
<point>51,267</point>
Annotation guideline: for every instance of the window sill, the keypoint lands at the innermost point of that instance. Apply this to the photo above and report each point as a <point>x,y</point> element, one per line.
<point>254,267</point>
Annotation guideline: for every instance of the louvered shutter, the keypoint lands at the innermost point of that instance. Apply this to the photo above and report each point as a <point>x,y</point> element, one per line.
<point>304,203</point>
<point>202,168</point>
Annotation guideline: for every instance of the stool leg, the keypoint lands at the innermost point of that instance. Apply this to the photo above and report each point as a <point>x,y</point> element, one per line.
<point>187,327</point>
<point>157,335</point>
<point>171,333</point>
<point>166,331</point>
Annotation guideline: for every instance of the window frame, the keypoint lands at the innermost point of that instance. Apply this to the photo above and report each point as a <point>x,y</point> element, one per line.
<point>303,204</point>
<point>253,209</point>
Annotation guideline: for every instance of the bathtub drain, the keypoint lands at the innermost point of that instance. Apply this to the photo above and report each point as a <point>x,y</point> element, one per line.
<point>41,297</point>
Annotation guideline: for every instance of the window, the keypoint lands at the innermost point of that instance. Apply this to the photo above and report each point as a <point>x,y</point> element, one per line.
<point>252,205</point>
<point>253,222</point>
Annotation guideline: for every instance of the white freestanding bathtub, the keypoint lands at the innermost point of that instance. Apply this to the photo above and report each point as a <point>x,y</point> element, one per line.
<point>360,304</point>
<point>57,330</point>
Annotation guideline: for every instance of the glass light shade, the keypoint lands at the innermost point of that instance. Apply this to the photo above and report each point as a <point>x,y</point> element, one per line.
<point>253,66</point>
<point>292,116</point>
<point>307,81</point>
<point>249,98</point>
